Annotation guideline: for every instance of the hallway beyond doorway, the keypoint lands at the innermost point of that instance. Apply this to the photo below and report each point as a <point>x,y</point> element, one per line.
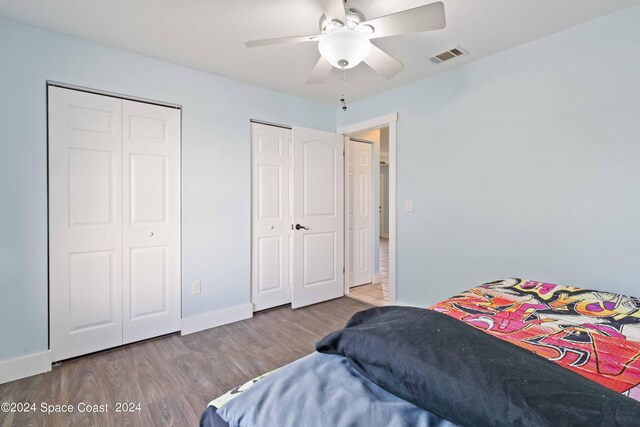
<point>376,293</point>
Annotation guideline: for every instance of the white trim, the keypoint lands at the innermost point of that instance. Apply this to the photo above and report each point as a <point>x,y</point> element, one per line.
<point>22,367</point>
<point>375,231</point>
<point>347,197</point>
<point>212,319</point>
<point>377,278</point>
<point>381,194</point>
<point>389,120</point>
<point>376,123</point>
<point>113,94</point>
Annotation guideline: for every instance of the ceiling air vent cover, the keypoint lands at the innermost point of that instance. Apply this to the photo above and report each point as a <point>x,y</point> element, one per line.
<point>449,54</point>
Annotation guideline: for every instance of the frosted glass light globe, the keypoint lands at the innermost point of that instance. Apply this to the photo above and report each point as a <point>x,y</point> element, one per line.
<point>344,48</point>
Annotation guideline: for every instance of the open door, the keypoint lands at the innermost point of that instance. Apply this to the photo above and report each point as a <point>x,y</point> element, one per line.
<point>318,216</point>
<point>359,227</point>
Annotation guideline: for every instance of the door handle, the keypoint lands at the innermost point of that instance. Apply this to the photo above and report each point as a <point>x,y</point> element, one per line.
<point>298,227</point>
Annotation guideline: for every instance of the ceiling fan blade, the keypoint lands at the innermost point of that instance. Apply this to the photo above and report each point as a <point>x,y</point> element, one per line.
<point>383,63</point>
<point>334,9</point>
<point>424,18</point>
<point>320,72</point>
<point>281,40</point>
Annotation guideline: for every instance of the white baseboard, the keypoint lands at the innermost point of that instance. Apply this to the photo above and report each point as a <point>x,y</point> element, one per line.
<point>22,367</point>
<point>406,304</point>
<point>212,319</point>
<point>377,278</point>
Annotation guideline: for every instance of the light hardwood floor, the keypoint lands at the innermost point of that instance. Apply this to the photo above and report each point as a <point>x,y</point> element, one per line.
<point>173,377</point>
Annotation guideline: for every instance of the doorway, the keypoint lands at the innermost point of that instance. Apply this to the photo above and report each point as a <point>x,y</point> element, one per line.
<point>366,240</point>
<point>381,132</point>
<point>273,270</point>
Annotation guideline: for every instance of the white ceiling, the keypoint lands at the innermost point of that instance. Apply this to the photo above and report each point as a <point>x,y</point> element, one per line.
<point>209,35</point>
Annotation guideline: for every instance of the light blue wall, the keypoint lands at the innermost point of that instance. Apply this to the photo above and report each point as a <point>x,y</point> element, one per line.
<point>216,168</point>
<point>521,164</point>
<point>525,163</point>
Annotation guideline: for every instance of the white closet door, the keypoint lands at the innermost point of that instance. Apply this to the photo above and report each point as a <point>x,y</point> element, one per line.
<point>271,216</point>
<point>85,222</point>
<point>151,220</point>
<point>359,218</point>
<point>318,216</point>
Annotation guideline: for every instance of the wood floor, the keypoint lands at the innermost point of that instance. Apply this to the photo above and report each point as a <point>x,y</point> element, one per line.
<point>173,377</point>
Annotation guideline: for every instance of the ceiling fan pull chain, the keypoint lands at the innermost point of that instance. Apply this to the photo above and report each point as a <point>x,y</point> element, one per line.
<point>342,99</point>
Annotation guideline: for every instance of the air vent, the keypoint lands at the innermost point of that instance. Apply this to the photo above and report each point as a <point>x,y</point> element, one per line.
<point>449,54</point>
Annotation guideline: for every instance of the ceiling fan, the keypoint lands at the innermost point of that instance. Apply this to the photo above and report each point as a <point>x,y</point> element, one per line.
<point>345,37</point>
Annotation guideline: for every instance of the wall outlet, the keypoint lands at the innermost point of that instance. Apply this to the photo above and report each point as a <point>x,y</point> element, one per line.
<point>196,287</point>
<point>409,205</point>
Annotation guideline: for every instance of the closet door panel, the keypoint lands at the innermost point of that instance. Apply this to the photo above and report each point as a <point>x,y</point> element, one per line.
<point>85,227</point>
<point>151,220</point>
<point>270,216</point>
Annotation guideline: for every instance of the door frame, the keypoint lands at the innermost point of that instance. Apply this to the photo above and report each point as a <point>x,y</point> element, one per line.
<point>390,121</point>
<point>382,207</point>
<point>375,169</point>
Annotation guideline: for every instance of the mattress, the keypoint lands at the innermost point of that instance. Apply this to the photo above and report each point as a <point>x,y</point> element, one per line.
<point>510,352</point>
<point>319,390</point>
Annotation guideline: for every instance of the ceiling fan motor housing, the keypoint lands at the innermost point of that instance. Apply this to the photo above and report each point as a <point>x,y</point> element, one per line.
<point>354,17</point>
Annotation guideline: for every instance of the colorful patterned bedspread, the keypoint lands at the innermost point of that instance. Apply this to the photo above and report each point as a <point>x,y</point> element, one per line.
<point>595,334</point>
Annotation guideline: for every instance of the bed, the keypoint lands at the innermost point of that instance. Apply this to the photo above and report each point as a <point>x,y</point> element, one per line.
<point>510,352</point>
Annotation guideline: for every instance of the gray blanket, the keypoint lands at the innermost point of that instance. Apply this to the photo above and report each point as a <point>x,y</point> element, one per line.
<point>322,390</point>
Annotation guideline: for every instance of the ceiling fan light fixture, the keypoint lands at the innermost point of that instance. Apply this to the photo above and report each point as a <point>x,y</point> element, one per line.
<point>366,29</point>
<point>344,48</point>
<point>327,26</point>
<point>354,17</point>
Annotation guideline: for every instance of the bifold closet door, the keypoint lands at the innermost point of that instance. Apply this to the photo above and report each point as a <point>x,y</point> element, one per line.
<point>151,220</point>
<point>85,222</point>
<point>114,221</point>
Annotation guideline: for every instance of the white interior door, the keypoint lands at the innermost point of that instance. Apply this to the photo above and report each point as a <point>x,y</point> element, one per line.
<point>85,222</point>
<point>318,216</point>
<point>359,217</point>
<point>151,220</point>
<point>271,216</point>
